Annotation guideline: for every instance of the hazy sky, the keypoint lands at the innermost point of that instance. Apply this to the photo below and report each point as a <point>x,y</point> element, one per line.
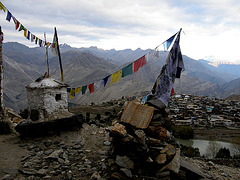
<point>211,27</point>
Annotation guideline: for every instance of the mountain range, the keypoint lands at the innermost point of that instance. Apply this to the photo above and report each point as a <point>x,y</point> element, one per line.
<point>82,66</point>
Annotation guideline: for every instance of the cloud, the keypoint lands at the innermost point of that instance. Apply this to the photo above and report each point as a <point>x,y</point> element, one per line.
<point>211,26</point>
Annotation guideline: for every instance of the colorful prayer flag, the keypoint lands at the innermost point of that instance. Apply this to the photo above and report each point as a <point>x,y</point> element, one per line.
<point>36,40</point>
<point>168,42</point>
<point>9,16</point>
<point>72,93</point>
<point>17,23</point>
<point>25,33</point>
<point>105,80</point>
<point>97,84</point>
<point>28,35</point>
<point>91,87</point>
<point>139,63</point>
<point>78,89</point>
<point>21,28</point>
<point>127,70</point>
<point>2,7</point>
<point>116,76</point>
<point>84,88</point>
<point>164,83</point>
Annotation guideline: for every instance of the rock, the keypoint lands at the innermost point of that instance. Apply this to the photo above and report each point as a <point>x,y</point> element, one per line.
<point>174,165</point>
<point>127,172</point>
<point>95,175</point>
<point>161,158</point>
<point>124,161</point>
<point>158,132</point>
<point>169,150</point>
<point>47,143</point>
<point>7,177</point>
<point>119,129</point>
<point>48,152</point>
<point>185,165</point>
<point>107,143</point>
<point>42,172</point>
<point>55,154</point>
<point>10,170</point>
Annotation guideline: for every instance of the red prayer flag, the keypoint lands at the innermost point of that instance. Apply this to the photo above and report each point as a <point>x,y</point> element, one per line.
<point>172,91</point>
<point>91,87</point>
<point>139,63</point>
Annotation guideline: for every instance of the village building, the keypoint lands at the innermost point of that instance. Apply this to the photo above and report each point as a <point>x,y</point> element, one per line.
<point>47,99</point>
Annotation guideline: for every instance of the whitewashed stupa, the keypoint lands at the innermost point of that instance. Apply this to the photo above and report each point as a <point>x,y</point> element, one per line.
<point>47,99</point>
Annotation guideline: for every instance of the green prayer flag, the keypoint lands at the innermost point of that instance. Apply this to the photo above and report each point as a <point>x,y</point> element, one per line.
<point>21,28</point>
<point>127,70</point>
<point>84,88</point>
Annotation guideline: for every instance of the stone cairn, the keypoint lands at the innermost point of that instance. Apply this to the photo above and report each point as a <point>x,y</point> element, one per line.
<point>142,147</point>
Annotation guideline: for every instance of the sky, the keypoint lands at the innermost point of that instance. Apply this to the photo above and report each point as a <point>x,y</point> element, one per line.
<point>210,28</point>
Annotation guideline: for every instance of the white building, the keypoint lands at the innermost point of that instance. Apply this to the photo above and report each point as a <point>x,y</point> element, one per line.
<point>47,99</point>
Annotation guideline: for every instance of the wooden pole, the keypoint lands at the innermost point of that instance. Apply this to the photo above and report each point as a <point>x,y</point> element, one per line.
<point>2,109</point>
<point>59,55</point>
<point>46,56</point>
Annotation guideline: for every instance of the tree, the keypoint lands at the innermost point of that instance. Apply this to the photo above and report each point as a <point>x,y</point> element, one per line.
<point>223,153</point>
<point>186,132</point>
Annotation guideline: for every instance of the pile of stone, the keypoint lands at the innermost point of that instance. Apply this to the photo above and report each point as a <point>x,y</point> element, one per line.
<point>142,147</point>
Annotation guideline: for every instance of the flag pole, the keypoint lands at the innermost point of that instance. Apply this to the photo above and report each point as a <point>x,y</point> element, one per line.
<point>46,56</point>
<point>59,55</point>
<point>2,109</point>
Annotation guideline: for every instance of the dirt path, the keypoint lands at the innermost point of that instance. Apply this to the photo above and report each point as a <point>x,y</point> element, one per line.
<point>10,152</point>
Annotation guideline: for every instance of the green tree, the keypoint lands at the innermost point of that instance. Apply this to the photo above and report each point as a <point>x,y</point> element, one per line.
<point>223,153</point>
<point>186,132</point>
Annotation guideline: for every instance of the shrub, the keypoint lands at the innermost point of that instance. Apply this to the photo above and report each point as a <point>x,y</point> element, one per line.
<point>223,153</point>
<point>189,151</point>
<point>186,132</point>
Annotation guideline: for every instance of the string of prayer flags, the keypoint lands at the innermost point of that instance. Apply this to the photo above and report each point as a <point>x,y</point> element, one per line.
<point>129,69</point>
<point>116,76</point>
<point>18,26</point>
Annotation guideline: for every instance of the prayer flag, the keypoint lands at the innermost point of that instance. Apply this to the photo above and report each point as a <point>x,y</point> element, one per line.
<point>68,90</point>
<point>36,40</point>
<point>97,84</point>
<point>173,66</point>
<point>25,33</point>
<point>21,28</point>
<point>9,16</point>
<point>84,88</point>
<point>168,42</point>
<point>116,76</point>
<point>40,42</point>
<point>54,48</point>
<point>172,92</point>
<point>72,93</point>
<point>91,87</point>
<point>78,89</point>
<point>127,70</point>
<point>2,7</point>
<point>32,37</point>
<point>28,35</point>
<point>105,80</point>
<point>139,63</point>
<point>17,23</point>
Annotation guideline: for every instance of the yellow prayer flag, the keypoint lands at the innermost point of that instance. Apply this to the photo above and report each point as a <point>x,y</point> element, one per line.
<point>72,93</point>
<point>2,7</point>
<point>78,90</point>
<point>116,76</point>
<point>25,33</point>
